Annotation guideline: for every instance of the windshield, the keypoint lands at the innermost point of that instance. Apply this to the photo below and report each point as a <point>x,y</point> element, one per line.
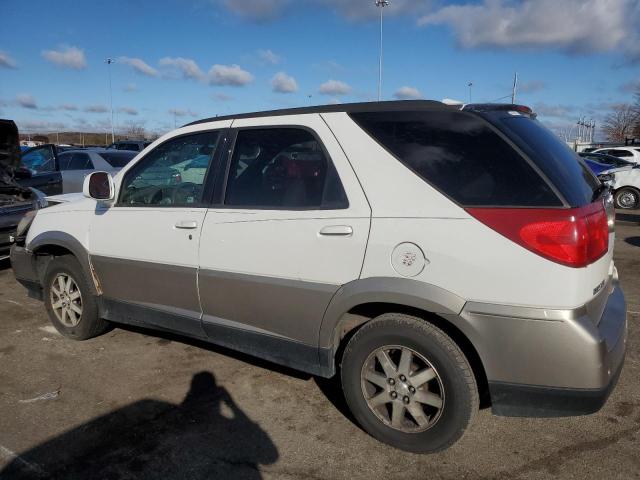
<point>609,160</point>
<point>562,166</point>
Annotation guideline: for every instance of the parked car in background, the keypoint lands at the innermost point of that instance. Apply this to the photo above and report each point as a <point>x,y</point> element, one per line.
<point>77,164</point>
<point>627,153</point>
<point>16,201</point>
<point>625,183</point>
<point>39,169</point>
<point>133,145</point>
<point>601,162</point>
<point>429,255</point>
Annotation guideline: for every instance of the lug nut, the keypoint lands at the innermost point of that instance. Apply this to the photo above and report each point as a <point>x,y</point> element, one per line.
<point>394,394</point>
<point>405,399</point>
<point>403,378</point>
<point>392,381</point>
<point>412,389</point>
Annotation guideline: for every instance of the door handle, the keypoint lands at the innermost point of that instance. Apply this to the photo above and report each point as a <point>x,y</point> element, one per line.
<point>337,231</point>
<point>187,224</point>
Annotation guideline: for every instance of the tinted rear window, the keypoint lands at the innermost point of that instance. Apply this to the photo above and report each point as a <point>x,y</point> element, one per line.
<point>117,159</point>
<point>560,164</point>
<point>460,155</point>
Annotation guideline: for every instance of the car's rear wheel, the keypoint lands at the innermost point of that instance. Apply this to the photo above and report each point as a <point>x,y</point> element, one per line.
<point>627,198</point>
<point>408,384</point>
<point>70,301</point>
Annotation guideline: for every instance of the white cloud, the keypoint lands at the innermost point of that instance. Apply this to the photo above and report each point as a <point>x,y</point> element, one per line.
<point>130,87</point>
<point>221,97</point>
<point>408,93</point>
<point>6,61</point>
<point>569,25</point>
<point>128,110</point>
<point>532,86</point>
<point>231,75</point>
<point>283,83</point>
<point>96,109</point>
<point>68,107</point>
<point>256,10</point>
<point>31,125</point>
<point>269,57</point>
<point>179,112</point>
<point>630,87</point>
<point>557,111</point>
<point>334,87</point>
<point>66,57</point>
<point>26,100</point>
<point>187,67</point>
<point>265,10</point>
<point>139,66</point>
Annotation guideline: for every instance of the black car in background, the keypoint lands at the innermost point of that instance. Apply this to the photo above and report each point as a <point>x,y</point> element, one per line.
<point>16,199</point>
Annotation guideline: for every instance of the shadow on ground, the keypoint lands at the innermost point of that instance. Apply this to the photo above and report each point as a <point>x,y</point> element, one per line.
<point>635,241</point>
<point>207,436</point>
<point>628,217</point>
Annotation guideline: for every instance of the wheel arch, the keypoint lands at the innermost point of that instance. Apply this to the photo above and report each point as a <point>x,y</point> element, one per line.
<point>48,245</point>
<point>359,302</point>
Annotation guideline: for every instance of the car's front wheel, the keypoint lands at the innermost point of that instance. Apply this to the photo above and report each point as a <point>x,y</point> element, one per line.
<point>408,384</point>
<point>69,300</point>
<point>627,198</point>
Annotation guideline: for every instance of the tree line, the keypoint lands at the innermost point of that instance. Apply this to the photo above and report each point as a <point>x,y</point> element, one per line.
<point>623,123</point>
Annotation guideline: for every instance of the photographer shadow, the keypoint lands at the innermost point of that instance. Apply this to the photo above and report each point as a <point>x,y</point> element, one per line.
<point>206,436</point>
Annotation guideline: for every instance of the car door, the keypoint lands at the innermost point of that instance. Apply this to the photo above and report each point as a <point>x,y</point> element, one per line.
<point>44,173</point>
<point>144,248</point>
<point>289,227</point>
<point>74,166</point>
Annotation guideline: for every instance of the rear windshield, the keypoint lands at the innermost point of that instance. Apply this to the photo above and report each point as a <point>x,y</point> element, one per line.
<point>559,163</point>
<point>117,159</point>
<point>459,154</point>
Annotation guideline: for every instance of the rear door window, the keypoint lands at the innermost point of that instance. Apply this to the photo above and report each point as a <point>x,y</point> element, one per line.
<point>621,153</point>
<point>282,168</point>
<point>460,155</point>
<point>79,161</point>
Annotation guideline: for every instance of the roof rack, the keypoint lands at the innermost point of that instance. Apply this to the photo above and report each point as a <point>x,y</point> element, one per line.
<point>388,106</point>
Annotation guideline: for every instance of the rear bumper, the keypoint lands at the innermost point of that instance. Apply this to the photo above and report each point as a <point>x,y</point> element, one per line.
<point>24,269</point>
<point>551,363</point>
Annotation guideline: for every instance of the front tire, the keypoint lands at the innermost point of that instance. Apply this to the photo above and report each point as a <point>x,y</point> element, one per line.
<point>627,198</point>
<point>69,300</point>
<point>408,384</point>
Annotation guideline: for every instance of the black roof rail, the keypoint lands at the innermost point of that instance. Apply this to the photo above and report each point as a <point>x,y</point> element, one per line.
<point>386,106</point>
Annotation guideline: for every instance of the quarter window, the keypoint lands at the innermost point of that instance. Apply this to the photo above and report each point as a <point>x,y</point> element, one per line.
<point>173,174</point>
<point>282,168</point>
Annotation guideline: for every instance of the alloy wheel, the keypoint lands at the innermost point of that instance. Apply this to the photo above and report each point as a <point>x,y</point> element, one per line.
<point>66,300</point>
<point>402,388</point>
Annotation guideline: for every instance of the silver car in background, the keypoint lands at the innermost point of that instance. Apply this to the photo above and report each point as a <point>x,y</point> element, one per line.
<point>77,164</point>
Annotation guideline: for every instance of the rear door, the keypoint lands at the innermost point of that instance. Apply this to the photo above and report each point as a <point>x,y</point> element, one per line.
<point>42,162</point>
<point>289,227</point>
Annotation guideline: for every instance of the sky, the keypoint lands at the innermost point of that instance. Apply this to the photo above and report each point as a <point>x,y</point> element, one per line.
<point>179,60</point>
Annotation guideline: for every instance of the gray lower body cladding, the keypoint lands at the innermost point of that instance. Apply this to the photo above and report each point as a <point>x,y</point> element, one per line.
<point>538,362</point>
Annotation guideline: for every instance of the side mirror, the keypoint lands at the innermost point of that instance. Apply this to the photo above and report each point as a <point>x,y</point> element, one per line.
<point>99,186</point>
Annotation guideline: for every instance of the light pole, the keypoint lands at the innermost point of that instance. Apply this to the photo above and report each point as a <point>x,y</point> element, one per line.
<point>470,85</point>
<point>381,4</point>
<point>109,61</point>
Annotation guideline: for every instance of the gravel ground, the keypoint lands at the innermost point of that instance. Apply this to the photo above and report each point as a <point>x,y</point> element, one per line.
<point>136,404</point>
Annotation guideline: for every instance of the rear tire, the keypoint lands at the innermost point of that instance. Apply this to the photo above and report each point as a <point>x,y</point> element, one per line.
<point>424,399</point>
<point>69,300</point>
<point>627,198</point>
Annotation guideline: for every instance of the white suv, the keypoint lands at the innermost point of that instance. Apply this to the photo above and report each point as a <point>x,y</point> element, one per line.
<point>438,257</point>
<point>631,154</point>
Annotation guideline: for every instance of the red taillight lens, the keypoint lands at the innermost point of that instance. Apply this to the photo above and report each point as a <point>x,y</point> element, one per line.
<point>575,237</point>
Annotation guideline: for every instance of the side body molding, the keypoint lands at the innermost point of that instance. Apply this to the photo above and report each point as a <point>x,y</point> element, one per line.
<point>64,240</point>
<point>401,291</point>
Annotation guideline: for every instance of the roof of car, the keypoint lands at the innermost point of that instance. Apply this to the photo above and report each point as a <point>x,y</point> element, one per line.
<point>387,106</point>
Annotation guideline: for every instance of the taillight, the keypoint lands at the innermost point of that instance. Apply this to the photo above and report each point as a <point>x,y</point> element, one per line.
<point>575,237</point>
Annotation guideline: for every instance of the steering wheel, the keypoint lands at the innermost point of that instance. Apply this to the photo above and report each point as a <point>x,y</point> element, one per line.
<point>183,191</point>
